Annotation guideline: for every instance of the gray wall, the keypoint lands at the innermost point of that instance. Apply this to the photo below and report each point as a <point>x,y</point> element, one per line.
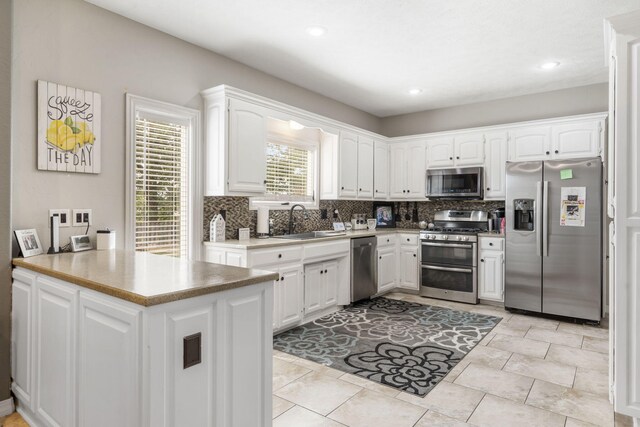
<point>566,102</point>
<point>5,196</point>
<point>77,44</point>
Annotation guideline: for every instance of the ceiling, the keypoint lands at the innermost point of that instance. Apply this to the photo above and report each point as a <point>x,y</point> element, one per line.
<point>374,51</point>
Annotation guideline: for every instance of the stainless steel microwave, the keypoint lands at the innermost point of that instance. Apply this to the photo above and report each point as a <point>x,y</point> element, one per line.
<point>459,183</point>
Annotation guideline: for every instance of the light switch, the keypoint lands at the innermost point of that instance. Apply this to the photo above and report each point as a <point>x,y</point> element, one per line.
<point>191,350</point>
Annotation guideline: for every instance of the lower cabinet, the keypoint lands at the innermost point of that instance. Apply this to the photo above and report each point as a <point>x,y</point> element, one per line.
<point>491,269</point>
<point>290,290</point>
<point>408,278</point>
<point>386,268</point>
<point>320,286</point>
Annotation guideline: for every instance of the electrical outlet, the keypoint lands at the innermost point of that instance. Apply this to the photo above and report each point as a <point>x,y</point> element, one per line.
<point>65,219</point>
<point>82,217</point>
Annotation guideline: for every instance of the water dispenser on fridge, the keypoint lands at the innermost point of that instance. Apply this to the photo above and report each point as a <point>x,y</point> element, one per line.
<point>523,211</point>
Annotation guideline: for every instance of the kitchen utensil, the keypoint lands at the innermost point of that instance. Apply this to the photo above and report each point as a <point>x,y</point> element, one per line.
<point>371,223</point>
<point>415,212</point>
<point>407,217</point>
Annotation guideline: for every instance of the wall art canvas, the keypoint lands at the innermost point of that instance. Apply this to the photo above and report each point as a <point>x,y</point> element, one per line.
<point>68,129</point>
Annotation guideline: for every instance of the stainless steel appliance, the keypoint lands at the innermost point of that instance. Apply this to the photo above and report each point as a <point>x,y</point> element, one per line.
<point>449,261</point>
<point>553,255</point>
<point>460,183</point>
<point>363,268</point>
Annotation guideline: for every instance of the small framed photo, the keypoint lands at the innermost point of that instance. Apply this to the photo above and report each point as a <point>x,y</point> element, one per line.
<point>383,214</point>
<point>29,242</point>
<point>80,243</point>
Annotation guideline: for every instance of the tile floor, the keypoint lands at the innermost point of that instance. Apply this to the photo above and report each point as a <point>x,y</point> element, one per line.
<point>528,371</point>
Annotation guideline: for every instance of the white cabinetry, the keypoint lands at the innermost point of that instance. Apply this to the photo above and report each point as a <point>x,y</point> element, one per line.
<point>381,170</point>
<point>440,152</point>
<point>461,150</point>
<point>386,268</point>
<point>348,177</point>
<point>365,167</point>
<point>320,286</point>
<point>22,336</point>
<point>291,297</point>
<point>495,176</point>
<point>408,262</point>
<point>235,138</point>
<point>491,268</point>
<point>355,156</point>
<point>530,143</point>
<point>408,168</point>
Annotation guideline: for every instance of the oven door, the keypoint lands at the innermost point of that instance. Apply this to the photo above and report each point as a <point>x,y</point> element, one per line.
<point>461,183</point>
<point>447,282</point>
<point>454,254</point>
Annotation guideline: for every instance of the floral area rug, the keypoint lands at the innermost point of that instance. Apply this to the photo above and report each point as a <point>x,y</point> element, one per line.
<point>401,344</point>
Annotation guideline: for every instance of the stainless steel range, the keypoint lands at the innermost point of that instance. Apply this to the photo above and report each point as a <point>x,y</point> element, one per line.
<point>449,255</point>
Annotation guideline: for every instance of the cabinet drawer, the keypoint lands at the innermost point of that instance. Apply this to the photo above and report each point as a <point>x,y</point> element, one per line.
<point>274,256</point>
<point>409,239</point>
<point>386,240</point>
<point>328,250</point>
<point>492,243</point>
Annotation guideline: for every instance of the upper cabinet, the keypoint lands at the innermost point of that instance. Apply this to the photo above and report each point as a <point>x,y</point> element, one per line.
<point>408,170</point>
<point>365,167</point>
<point>381,170</point>
<point>348,159</point>
<point>530,143</point>
<point>495,177</point>
<point>456,151</point>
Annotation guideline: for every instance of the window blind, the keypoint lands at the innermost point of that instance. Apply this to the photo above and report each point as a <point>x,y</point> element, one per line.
<point>161,182</point>
<point>289,173</point>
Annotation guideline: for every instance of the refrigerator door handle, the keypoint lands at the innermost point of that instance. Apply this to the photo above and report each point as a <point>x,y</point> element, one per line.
<point>538,218</point>
<point>545,219</point>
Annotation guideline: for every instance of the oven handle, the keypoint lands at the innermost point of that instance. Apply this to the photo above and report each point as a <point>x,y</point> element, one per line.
<point>457,270</point>
<point>448,245</point>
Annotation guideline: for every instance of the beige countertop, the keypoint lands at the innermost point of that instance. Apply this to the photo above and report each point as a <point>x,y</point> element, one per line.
<point>276,242</point>
<point>143,278</point>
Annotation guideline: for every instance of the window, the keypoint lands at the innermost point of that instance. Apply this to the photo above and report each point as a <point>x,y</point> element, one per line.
<point>161,184</point>
<point>292,169</point>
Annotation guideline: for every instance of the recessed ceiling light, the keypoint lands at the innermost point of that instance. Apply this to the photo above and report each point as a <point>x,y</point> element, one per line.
<point>549,65</point>
<point>415,91</point>
<point>316,31</point>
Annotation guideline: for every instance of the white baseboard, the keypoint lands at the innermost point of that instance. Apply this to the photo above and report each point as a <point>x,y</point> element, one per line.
<point>6,407</point>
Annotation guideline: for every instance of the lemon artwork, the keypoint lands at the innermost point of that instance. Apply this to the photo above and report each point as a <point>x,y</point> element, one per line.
<point>68,135</point>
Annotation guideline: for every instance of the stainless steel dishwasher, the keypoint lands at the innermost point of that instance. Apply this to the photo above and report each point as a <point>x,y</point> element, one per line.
<point>363,268</point>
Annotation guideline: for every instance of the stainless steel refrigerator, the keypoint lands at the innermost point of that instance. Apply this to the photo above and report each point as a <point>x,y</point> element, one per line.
<point>553,255</point>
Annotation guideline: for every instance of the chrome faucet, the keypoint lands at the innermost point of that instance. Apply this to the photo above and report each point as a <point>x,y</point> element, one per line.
<point>292,224</point>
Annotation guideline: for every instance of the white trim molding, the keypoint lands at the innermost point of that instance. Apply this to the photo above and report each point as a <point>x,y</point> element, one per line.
<point>195,202</point>
<point>7,407</point>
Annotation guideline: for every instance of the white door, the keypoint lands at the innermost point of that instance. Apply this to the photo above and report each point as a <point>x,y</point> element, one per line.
<point>409,267</point>
<point>330,277</point>
<point>292,297</point>
<point>313,288</point>
<point>416,169</point>
<point>440,152</point>
<point>386,268</point>
<point>381,171</point>
<point>495,165</point>
<point>576,140</point>
<point>55,352</point>
<point>365,168</point>
<point>469,150</point>
<point>109,368</point>
<point>348,173</point>
<point>247,143</point>
<point>530,143</point>
<point>398,188</point>
<point>491,276</point>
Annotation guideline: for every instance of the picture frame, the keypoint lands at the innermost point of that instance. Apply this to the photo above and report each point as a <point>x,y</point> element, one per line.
<point>29,242</point>
<point>80,243</point>
<point>383,214</point>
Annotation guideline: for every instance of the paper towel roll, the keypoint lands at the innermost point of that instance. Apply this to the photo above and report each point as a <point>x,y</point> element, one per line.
<point>263,221</point>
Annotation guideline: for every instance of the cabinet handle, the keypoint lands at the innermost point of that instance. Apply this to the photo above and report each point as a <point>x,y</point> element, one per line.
<point>450,158</point>
<point>325,271</point>
<point>488,189</point>
<point>457,157</point>
<point>408,240</point>
<point>404,191</point>
<point>490,244</point>
<point>360,189</point>
<point>321,271</point>
<point>387,240</point>
<point>547,153</point>
<point>556,151</point>
<point>279,255</point>
<point>380,257</point>
<point>415,256</point>
<point>265,181</point>
<point>342,188</point>
<point>282,278</point>
<point>376,191</point>
<point>482,260</point>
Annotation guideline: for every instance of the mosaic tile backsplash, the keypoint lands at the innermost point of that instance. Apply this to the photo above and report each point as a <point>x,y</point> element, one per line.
<point>238,214</point>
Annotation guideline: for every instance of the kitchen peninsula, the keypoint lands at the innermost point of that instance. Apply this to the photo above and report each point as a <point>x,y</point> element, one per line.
<point>106,338</point>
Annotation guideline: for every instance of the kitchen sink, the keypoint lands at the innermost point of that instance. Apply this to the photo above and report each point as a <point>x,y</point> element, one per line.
<point>311,235</point>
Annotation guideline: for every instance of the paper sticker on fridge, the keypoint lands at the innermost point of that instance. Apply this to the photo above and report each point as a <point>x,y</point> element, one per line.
<point>572,206</point>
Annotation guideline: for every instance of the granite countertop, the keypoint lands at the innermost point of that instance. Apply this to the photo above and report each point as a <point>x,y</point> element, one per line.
<point>276,242</point>
<point>491,234</point>
<point>143,278</point>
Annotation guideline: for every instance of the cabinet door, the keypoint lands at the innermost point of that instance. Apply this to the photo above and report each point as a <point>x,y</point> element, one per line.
<point>495,165</point>
<point>292,297</point>
<point>409,267</point>
<point>381,171</point>
<point>22,294</point>
<point>348,174</point>
<point>55,352</point>
<point>109,371</point>
<point>440,152</point>
<point>386,269</point>
<point>247,144</point>
<point>313,288</point>
<point>214,255</point>
<point>365,168</point>
<point>277,305</point>
<point>398,188</point>
<point>491,275</point>
<point>469,150</point>
<point>416,169</point>
<point>330,277</point>
<point>576,140</point>
<point>530,143</point>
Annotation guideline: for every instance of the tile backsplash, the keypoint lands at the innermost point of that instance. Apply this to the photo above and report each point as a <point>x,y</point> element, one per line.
<point>238,214</point>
